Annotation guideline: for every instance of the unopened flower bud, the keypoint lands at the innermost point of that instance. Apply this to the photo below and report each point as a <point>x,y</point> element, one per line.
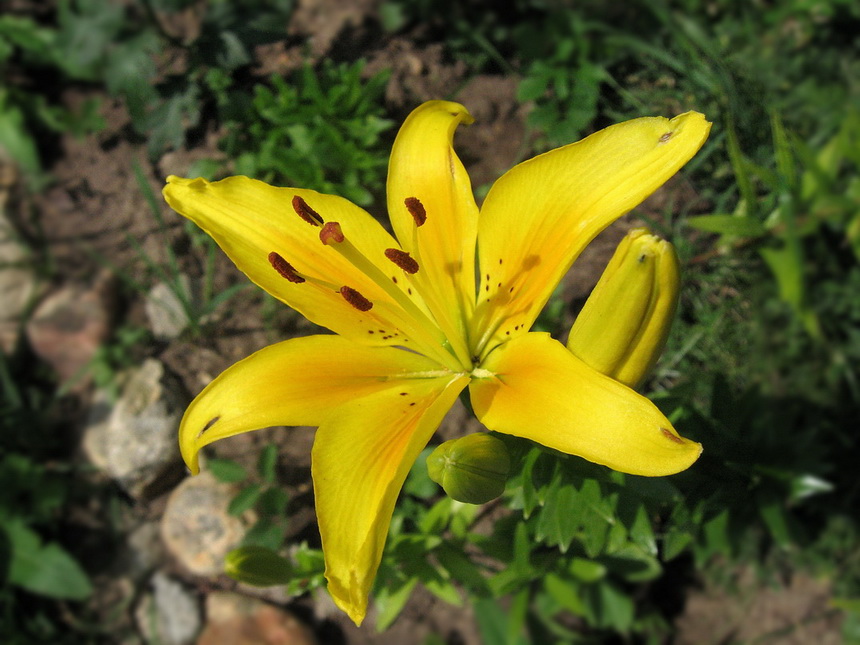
<point>471,469</point>
<point>622,329</point>
<point>258,566</point>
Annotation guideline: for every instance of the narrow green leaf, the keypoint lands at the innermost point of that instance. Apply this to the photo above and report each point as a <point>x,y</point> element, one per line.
<point>267,463</point>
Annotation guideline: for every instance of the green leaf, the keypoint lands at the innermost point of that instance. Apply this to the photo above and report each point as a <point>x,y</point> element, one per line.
<point>227,470</point>
<point>774,516</point>
<point>610,607</point>
<point>461,568</point>
<point>258,566</point>
<point>493,624</point>
<point>565,592</point>
<point>586,570</point>
<point>390,601</point>
<point>267,464</point>
<point>675,542</point>
<point>245,499</point>
<point>265,533</point>
<point>15,140</point>
<point>44,569</point>
<point>273,502</point>
<point>730,225</point>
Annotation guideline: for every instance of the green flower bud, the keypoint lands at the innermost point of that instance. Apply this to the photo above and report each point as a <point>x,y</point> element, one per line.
<point>471,469</point>
<point>622,329</point>
<point>258,566</point>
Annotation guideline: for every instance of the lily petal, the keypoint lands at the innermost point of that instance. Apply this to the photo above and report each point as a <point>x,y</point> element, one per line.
<point>542,392</point>
<point>361,456</point>
<point>293,383</point>
<point>539,216</point>
<point>250,220</point>
<point>424,166</point>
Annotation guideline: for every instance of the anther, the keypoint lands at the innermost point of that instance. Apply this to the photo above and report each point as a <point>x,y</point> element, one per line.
<point>355,299</point>
<point>666,136</point>
<point>403,260</point>
<point>306,212</point>
<point>208,425</point>
<point>416,209</point>
<point>284,268</point>
<point>671,436</point>
<point>331,233</point>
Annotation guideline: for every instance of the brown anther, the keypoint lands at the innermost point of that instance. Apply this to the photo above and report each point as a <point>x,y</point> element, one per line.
<point>671,436</point>
<point>306,212</point>
<point>283,267</point>
<point>666,136</point>
<point>403,260</point>
<point>355,299</point>
<point>331,233</point>
<point>416,209</point>
<point>208,425</point>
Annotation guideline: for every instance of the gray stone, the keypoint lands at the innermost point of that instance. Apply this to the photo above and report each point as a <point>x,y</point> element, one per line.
<point>240,620</point>
<point>164,309</point>
<point>196,527</point>
<point>135,439</point>
<point>69,325</point>
<point>169,614</point>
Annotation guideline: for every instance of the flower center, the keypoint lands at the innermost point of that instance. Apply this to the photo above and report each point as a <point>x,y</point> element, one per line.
<point>400,308</point>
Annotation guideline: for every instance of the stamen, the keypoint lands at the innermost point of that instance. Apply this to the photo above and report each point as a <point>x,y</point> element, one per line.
<point>671,436</point>
<point>666,136</point>
<point>331,233</point>
<point>306,212</point>
<point>416,209</point>
<point>403,260</point>
<point>354,298</point>
<point>208,425</point>
<point>283,267</point>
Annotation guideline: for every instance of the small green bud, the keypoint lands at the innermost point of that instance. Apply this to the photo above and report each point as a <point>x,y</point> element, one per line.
<point>623,327</point>
<point>471,469</point>
<point>257,566</point>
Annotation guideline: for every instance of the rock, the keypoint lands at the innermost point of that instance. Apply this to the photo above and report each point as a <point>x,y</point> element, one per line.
<point>70,324</point>
<point>169,614</point>
<point>167,317</point>
<point>134,440</point>
<point>196,527</point>
<point>18,284</point>
<point>240,620</point>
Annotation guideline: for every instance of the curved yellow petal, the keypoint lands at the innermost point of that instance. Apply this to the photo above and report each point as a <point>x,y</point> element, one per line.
<point>250,220</point>
<point>542,392</point>
<point>292,383</point>
<point>539,216</point>
<point>424,166</point>
<point>361,456</point>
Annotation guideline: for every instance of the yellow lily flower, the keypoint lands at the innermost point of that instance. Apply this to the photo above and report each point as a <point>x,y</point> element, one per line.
<point>414,325</point>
